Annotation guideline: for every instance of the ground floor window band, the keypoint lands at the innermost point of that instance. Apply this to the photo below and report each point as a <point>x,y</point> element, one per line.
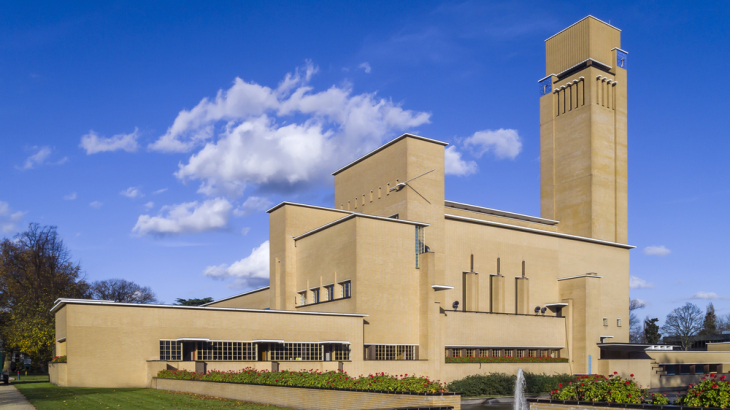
<point>221,350</point>
<point>391,352</point>
<point>516,352</point>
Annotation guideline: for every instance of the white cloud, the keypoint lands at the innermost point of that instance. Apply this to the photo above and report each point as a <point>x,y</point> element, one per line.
<point>637,283</point>
<point>454,165</point>
<point>38,158</point>
<point>96,204</point>
<point>504,143</point>
<point>251,205</point>
<point>281,137</point>
<point>366,67</point>
<point>643,302</point>
<point>131,192</point>
<point>93,143</point>
<point>250,271</point>
<point>8,218</point>
<point>159,191</point>
<point>657,250</point>
<point>706,296</point>
<point>245,231</point>
<point>188,217</point>
<point>70,197</point>
<point>149,205</point>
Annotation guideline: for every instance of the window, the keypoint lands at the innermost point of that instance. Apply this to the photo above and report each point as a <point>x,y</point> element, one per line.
<point>302,298</point>
<point>315,295</point>
<point>618,322</point>
<point>684,369</point>
<point>470,353</point>
<point>329,292</point>
<point>341,352</point>
<point>670,369</point>
<point>605,321</point>
<point>296,351</point>
<point>455,352</point>
<point>345,289</point>
<point>496,352</point>
<point>170,350</point>
<point>534,353</point>
<point>508,353</point>
<point>396,352</point>
<point>483,352</point>
<point>520,353</point>
<point>226,351</point>
<point>420,245</point>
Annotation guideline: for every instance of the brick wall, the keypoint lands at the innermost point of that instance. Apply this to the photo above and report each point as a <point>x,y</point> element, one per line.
<point>303,398</point>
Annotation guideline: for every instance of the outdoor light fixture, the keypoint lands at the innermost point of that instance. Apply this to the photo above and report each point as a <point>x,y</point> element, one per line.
<point>455,305</point>
<point>543,311</point>
<point>537,310</point>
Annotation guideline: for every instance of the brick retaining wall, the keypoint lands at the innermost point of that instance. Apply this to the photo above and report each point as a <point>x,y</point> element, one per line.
<point>310,398</point>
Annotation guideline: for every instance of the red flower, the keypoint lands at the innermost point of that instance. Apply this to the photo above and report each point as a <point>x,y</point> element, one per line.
<point>615,372</point>
<point>560,385</point>
<point>632,375</point>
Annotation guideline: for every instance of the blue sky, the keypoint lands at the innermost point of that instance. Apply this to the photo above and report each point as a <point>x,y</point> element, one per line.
<point>107,109</point>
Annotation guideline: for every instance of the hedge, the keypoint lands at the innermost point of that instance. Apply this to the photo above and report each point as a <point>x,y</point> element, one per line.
<point>501,384</point>
<point>506,360</point>
<point>314,378</point>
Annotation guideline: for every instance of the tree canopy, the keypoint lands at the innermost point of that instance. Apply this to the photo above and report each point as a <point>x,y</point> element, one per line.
<point>120,290</point>
<point>684,322</point>
<point>193,302</point>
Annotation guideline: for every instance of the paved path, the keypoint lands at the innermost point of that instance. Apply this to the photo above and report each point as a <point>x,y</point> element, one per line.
<point>12,399</point>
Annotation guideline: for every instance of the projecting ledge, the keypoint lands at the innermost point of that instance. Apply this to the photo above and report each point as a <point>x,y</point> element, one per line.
<point>441,287</point>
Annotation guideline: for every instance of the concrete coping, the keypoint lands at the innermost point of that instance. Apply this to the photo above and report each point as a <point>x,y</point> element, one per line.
<point>358,215</point>
<point>620,405</point>
<point>62,302</point>
<point>236,296</point>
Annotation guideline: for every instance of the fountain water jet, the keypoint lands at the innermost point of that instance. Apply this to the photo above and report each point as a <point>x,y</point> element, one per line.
<point>520,400</point>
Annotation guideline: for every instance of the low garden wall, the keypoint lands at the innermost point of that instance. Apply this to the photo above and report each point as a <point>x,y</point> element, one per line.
<point>536,404</point>
<point>311,397</point>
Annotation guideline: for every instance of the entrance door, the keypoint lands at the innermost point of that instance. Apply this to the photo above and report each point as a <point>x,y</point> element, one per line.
<point>188,351</point>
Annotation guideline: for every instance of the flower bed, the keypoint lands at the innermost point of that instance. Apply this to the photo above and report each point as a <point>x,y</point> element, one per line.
<point>611,389</point>
<point>712,391</point>
<point>506,360</point>
<point>59,359</point>
<point>314,378</point>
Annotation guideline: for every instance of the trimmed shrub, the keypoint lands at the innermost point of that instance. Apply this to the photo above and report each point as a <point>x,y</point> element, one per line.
<point>501,384</point>
<point>314,378</point>
<point>709,392</point>
<point>506,360</point>
<point>611,389</point>
<point>659,399</point>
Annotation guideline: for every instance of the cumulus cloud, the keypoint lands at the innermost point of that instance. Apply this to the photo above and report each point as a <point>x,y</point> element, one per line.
<point>250,271</point>
<point>96,204</point>
<point>188,217</point>
<point>251,205</point>
<point>93,143</point>
<point>38,158</point>
<point>131,192</point>
<point>657,250</point>
<point>707,296</point>
<point>149,205</point>
<point>281,137</point>
<point>9,219</point>
<point>366,67</point>
<point>454,165</point>
<point>636,282</point>
<point>70,197</point>
<point>504,143</point>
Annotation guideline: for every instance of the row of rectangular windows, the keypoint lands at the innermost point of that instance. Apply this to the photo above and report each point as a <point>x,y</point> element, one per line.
<point>345,291</point>
<point>391,352</point>
<point>679,369</point>
<point>172,350</point>
<point>502,352</point>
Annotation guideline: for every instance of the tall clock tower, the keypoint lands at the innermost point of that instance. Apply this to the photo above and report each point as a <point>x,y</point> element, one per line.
<point>583,131</point>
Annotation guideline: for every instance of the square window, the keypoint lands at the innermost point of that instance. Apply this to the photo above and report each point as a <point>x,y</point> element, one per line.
<point>605,321</point>
<point>618,322</point>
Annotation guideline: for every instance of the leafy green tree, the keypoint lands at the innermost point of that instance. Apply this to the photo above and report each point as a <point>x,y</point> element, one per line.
<point>35,270</point>
<point>192,302</point>
<point>709,326</point>
<point>651,330</point>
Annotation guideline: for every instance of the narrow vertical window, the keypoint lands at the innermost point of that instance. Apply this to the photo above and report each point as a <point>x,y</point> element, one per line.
<point>371,196</point>
<point>379,192</point>
<point>302,298</point>
<point>420,246</point>
<point>345,289</point>
<point>315,295</point>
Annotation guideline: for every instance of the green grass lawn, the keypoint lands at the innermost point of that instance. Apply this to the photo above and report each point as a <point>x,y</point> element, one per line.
<point>46,396</point>
<point>29,379</point>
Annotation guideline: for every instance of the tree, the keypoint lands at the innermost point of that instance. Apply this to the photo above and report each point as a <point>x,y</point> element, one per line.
<point>35,270</point>
<point>709,326</point>
<point>651,331</point>
<point>635,331</point>
<point>723,323</point>
<point>684,322</point>
<point>192,302</point>
<point>123,291</point>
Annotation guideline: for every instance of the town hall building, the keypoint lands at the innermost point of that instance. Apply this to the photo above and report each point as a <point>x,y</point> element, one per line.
<point>397,278</point>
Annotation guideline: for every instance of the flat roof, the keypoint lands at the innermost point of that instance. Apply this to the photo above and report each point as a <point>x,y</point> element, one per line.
<point>584,18</point>
<point>497,212</point>
<point>324,208</point>
<point>537,231</point>
<point>386,145</point>
<point>358,215</point>
<point>235,296</point>
<point>62,302</point>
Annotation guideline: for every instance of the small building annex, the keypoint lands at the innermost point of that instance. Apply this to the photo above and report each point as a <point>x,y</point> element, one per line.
<point>397,278</point>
